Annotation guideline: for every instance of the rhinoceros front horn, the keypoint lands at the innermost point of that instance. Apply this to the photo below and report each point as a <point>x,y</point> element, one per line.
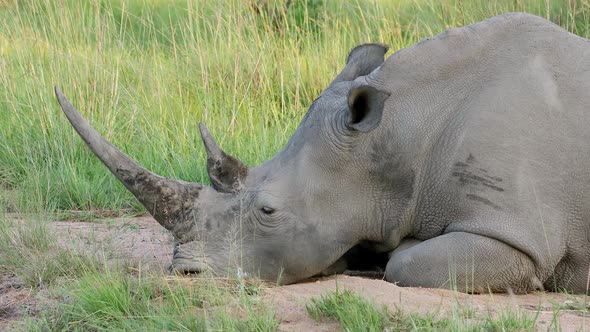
<point>226,172</point>
<point>171,202</point>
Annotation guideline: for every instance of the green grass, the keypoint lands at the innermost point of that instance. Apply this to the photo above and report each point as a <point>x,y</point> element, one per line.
<point>30,251</point>
<point>355,313</point>
<point>352,311</point>
<point>114,301</point>
<point>146,72</point>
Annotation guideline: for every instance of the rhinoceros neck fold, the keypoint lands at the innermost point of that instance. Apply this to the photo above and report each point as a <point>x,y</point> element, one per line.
<point>171,202</point>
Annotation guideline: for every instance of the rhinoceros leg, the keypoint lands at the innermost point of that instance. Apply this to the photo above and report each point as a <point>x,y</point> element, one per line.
<point>404,245</point>
<point>465,262</point>
<point>572,272</point>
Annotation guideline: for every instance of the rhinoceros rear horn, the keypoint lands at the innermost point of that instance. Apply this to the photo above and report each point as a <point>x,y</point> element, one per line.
<point>171,202</point>
<point>226,172</point>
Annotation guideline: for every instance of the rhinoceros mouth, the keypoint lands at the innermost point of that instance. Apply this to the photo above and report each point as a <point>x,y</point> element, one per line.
<point>183,266</point>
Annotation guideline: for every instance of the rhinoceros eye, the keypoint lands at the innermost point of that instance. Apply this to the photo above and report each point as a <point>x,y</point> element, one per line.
<point>267,210</point>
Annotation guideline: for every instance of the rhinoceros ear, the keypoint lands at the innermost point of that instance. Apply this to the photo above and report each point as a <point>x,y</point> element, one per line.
<point>226,172</point>
<point>361,61</point>
<point>365,106</point>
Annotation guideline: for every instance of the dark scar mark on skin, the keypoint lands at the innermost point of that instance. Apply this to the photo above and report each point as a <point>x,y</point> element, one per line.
<point>495,178</point>
<point>491,186</point>
<point>468,178</point>
<point>465,172</point>
<point>467,181</point>
<point>483,200</point>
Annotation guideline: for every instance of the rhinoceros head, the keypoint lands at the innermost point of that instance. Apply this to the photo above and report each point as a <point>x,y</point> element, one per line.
<point>286,219</point>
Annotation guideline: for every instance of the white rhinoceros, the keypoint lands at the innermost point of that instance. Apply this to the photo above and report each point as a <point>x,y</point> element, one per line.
<point>465,157</point>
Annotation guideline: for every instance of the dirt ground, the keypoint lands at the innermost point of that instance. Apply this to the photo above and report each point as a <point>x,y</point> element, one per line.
<point>142,241</point>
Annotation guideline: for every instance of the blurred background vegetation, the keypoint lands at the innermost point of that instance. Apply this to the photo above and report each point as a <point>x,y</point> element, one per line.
<point>144,73</point>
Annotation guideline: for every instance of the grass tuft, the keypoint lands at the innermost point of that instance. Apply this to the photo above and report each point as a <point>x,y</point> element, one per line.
<point>510,320</point>
<point>115,301</point>
<point>352,311</point>
<point>118,301</point>
<point>32,253</point>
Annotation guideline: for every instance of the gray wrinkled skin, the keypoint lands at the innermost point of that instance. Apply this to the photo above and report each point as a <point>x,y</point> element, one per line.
<point>465,157</point>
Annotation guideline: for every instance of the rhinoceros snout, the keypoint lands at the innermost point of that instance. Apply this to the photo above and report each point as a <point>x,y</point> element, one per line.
<point>185,259</point>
